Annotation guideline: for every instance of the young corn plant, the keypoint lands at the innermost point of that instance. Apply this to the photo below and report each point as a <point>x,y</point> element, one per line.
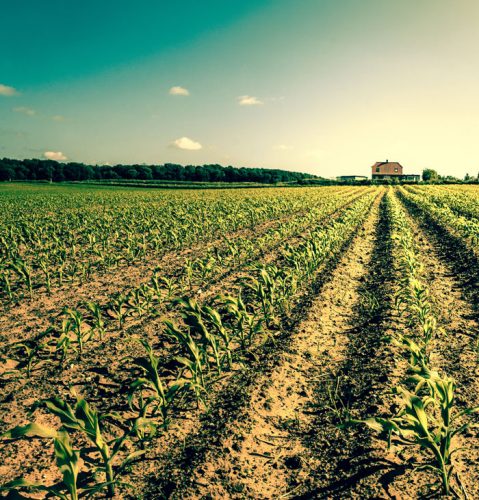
<point>137,301</point>
<point>25,272</point>
<point>189,273</point>
<point>6,283</point>
<point>43,264</point>
<point>118,308</point>
<point>96,316</point>
<point>194,362</point>
<point>159,395</point>
<point>85,420</point>
<point>75,323</point>
<point>214,320</point>
<point>263,290</point>
<point>203,268</point>
<point>244,324</point>
<point>429,421</point>
<point>31,351</point>
<point>194,317</point>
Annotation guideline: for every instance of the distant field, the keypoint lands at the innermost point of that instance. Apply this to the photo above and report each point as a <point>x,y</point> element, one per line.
<point>246,343</point>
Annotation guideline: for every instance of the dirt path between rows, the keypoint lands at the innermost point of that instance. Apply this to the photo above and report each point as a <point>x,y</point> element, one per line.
<point>99,377</point>
<point>287,444</point>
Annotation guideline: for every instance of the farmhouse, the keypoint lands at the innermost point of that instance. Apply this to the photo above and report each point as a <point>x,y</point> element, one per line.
<point>391,170</point>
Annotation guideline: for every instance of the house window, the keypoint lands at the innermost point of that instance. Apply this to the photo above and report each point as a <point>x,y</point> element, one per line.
<point>395,169</point>
<point>378,169</point>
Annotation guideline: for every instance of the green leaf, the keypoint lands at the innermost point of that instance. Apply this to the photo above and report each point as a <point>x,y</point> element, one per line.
<point>23,483</point>
<point>31,430</point>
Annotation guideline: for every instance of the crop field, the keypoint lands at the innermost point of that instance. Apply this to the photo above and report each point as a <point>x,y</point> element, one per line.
<point>315,342</point>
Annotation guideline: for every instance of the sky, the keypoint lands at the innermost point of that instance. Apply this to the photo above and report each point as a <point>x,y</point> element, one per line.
<point>321,86</point>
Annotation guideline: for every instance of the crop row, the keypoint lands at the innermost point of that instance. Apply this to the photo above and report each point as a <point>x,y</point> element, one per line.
<point>428,417</point>
<point>460,226</point>
<point>460,202</point>
<point>75,326</point>
<point>205,342</point>
<point>47,241</point>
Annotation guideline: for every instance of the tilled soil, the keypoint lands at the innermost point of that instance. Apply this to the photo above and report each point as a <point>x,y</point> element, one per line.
<point>455,351</point>
<point>285,442</point>
<point>279,427</point>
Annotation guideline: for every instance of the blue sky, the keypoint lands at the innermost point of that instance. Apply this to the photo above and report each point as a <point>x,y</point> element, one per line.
<point>324,86</point>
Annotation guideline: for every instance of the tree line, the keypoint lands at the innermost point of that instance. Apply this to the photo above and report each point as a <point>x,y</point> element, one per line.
<point>50,170</point>
<point>431,176</point>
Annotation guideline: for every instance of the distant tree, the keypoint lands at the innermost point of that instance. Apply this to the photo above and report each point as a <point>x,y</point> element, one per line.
<point>35,169</point>
<point>144,172</point>
<point>428,174</point>
<point>7,173</point>
<point>131,173</point>
<point>467,177</point>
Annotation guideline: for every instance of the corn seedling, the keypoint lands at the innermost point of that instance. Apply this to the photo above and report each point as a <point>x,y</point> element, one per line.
<point>245,326</point>
<point>194,361</point>
<point>74,323</point>
<point>97,319</point>
<point>428,422</point>
<point>25,272</point>
<point>79,418</point>
<point>160,396</point>
<point>193,316</point>
<point>32,350</point>
<point>118,308</point>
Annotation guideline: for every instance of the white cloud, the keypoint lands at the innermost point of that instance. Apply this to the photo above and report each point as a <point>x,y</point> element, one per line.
<point>7,91</point>
<point>24,110</point>
<point>187,143</point>
<point>179,91</point>
<point>58,118</point>
<point>247,100</point>
<point>55,155</point>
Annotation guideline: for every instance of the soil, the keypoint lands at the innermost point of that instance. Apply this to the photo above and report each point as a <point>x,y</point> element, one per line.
<point>287,422</point>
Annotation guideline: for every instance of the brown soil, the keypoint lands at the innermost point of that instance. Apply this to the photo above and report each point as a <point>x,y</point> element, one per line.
<point>99,377</point>
<point>455,351</point>
<point>277,427</point>
<point>284,440</point>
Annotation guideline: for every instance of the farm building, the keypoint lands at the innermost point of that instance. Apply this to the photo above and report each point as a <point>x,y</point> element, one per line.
<point>389,170</point>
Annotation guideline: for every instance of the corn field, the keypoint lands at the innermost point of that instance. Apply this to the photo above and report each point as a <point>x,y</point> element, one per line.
<point>314,342</point>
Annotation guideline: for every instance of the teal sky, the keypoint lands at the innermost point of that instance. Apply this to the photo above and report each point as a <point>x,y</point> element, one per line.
<point>323,86</point>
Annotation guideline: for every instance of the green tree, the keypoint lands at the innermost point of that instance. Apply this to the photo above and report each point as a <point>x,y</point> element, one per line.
<point>428,174</point>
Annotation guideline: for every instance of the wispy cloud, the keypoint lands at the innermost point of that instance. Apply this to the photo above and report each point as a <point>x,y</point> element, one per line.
<point>55,155</point>
<point>24,110</point>
<point>248,100</point>
<point>179,91</point>
<point>187,143</point>
<point>5,90</point>
<point>58,118</point>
